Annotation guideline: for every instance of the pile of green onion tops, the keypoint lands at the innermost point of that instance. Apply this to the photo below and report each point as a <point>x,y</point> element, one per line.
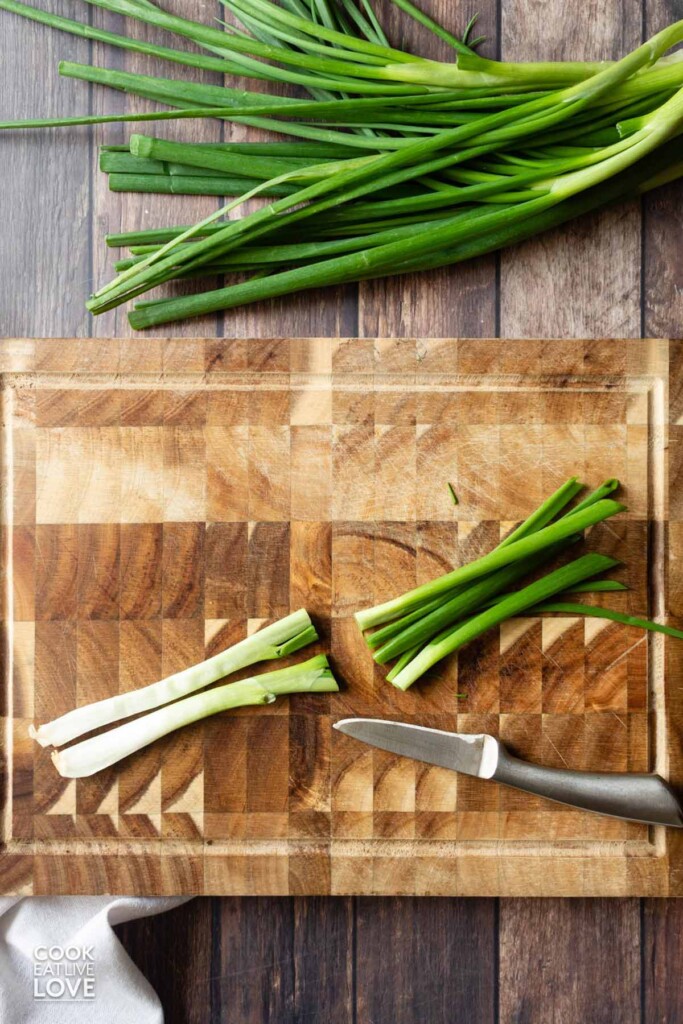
<point>391,163</point>
<point>436,619</point>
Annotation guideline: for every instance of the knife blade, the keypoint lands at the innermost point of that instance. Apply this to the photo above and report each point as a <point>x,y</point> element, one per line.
<point>461,752</point>
<point>633,796</point>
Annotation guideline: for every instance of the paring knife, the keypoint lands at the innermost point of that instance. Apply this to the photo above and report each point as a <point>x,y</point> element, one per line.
<point>645,798</point>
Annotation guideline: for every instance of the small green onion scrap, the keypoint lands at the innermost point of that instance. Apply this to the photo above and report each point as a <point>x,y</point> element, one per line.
<point>434,620</point>
<point>393,163</point>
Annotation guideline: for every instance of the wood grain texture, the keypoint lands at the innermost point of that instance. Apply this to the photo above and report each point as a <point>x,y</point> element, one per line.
<point>406,952</point>
<point>662,932</point>
<point>283,960</point>
<point>179,964</point>
<point>256,960</point>
<point>286,805</point>
<point>548,941</point>
<point>662,284</point>
<point>291,960</point>
<point>567,961</point>
<point>50,248</point>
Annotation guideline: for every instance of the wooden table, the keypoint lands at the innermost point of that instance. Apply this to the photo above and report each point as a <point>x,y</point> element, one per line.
<point>620,274</point>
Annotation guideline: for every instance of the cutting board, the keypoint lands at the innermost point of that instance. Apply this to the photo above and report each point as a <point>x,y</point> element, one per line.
<point>162,498</point>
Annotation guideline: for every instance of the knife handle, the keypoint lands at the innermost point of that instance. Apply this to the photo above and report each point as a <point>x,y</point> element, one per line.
<point>636,797</point>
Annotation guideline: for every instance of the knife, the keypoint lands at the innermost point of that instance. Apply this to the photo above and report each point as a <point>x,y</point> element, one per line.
<point>636,797</point>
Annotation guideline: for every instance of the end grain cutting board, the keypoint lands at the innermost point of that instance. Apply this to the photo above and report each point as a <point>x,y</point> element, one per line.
<point>162,498</point>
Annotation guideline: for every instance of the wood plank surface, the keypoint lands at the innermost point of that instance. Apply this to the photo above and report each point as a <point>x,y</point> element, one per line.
<point>662,938</point>
<point>548,940</point>
<point>662,267</point>
<point>179,961</point>
<point>405,956</point>
<point>284,959</point>
<point>52,245</point>
<point>45,250</point>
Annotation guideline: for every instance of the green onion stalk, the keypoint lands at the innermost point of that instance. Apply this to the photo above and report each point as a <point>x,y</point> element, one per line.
<point>409,632</point>
<point>430,622</point>
<point>452,640</point>
<point>94,754</point>
<point>412,629</point>
<point>504,555</point>
<point>278,640</point>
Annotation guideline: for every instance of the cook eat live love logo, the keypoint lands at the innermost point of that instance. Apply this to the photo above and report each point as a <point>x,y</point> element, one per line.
<point>64,973</point>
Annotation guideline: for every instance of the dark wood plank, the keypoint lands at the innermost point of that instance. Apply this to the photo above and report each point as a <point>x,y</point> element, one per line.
<point>174,952</point>
<point>662,263</point>
<point>255,960</point>
<point>420,959</point>
<point>662,957</point>
<point>570,961</point>
<point>283,960</point>
<point>323,960</point>
<point>662,266</point>
<point>44,185</point>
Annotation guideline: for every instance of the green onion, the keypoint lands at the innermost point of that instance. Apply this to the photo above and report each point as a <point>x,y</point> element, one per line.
<point>594,587</point>
<point>654,173</point>
<point>190,185</point>
<point>436,619</point>
<point>452,639</point>
<point>527,546</point>
<point>603,491</point>
<point>363,177</point>
<point>278,640</point>
<point>404,660</point>
<point>547,511</point>
<point>470,154</point>
<point>449,611</point>
<point>92,755</point>
<point>416,627</point>
<point>595,612</point>
<point>598,587</point>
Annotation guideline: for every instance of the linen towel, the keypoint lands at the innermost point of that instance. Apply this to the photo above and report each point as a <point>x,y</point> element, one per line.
<point>61,963</point>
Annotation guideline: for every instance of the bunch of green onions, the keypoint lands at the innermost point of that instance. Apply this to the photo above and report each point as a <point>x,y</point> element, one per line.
<point>436,619</point>
<point>400,163</point>
<point>175,707</point>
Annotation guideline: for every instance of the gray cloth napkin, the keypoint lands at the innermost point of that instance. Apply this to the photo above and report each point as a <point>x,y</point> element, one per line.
<point>61,963</point>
